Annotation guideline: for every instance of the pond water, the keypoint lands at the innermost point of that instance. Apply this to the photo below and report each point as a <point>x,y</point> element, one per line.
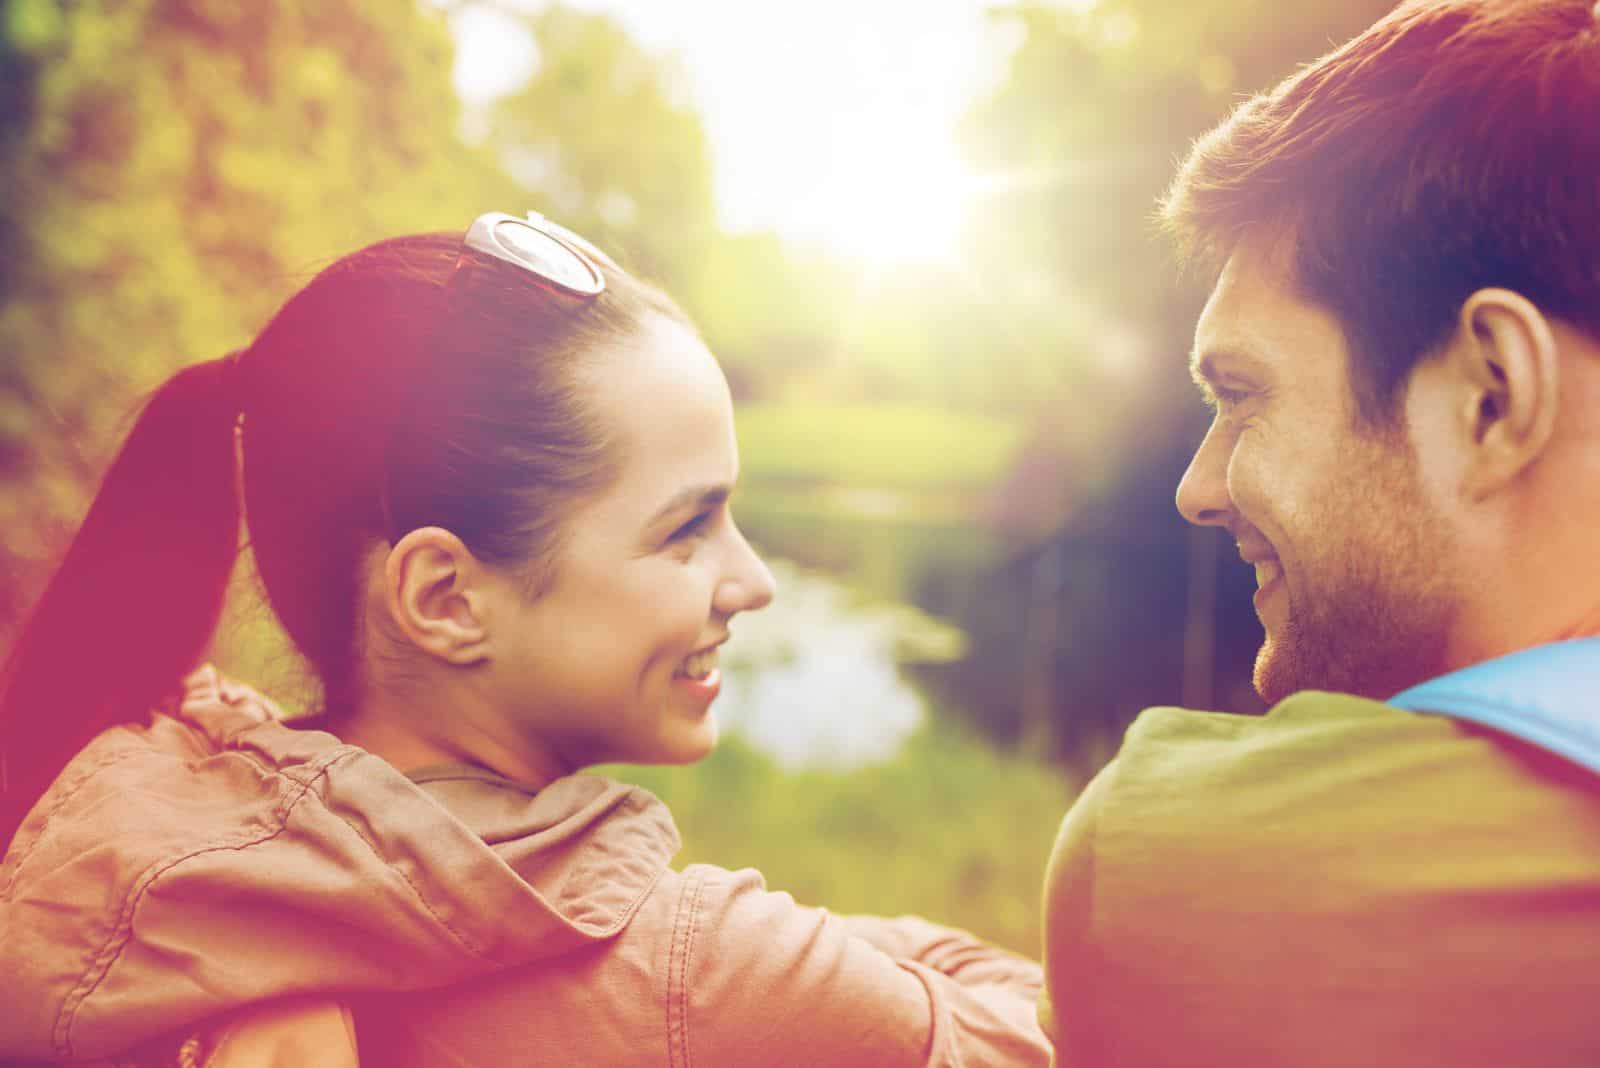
<point>814,679</point>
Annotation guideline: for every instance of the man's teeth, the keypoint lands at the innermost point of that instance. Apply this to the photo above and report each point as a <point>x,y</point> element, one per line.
<point>699,665</point>
<point>1267,571</point>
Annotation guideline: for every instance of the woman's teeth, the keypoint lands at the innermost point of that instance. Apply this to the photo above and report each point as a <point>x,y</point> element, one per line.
<point>699,665</point>
<point>1267,571</point>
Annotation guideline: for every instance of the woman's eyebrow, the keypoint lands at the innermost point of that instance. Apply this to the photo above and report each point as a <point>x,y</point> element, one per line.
<point>707,496</point>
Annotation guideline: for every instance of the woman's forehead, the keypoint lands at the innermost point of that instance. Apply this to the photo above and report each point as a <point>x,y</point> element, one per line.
<point>664,406</point>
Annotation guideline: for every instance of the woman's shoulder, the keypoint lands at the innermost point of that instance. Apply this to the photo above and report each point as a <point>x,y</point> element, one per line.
<point>331,860</point>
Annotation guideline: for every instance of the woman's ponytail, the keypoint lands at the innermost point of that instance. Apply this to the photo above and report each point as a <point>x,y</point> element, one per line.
<point>138,594</point>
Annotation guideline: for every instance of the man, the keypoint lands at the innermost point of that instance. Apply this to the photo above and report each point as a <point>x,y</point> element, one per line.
<point>1403,349</point>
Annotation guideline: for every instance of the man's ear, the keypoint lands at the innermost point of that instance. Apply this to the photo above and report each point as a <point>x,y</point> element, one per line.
<point>1505,355</point>
<point>436,592</point>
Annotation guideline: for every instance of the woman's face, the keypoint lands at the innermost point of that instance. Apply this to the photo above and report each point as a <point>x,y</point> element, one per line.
<point>616,658</point>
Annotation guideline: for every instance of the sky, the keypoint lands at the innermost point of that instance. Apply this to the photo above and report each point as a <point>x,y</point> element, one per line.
<point>830,121</point>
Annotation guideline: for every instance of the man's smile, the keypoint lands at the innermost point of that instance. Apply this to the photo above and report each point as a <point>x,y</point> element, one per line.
<point>1268,571</point>
<point>1268,568</point>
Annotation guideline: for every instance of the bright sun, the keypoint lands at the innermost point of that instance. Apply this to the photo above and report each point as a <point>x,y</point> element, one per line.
<point>860,162</point>
<point>894,194</point>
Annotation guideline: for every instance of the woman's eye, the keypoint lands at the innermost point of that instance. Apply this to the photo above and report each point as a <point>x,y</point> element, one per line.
<point>693,528</point>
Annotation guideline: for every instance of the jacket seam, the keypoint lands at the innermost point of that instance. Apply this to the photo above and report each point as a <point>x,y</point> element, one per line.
<point>105,958</point>
<point>683,930</point>
<point>461,938</point>
<point>340,756</point>
<point>64,794</point>
<point>625,914</point>
<point>694,928</point>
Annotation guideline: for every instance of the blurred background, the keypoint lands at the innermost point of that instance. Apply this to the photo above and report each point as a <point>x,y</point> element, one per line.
<point>917,234</point>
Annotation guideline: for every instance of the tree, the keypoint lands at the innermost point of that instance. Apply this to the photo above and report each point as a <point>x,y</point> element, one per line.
<point>603,133</point>
<point>1084,134</point>
<point>1082,137</point>
<point>175,168</point>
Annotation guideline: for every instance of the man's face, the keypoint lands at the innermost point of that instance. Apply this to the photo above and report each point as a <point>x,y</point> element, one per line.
<point>1348,546</point>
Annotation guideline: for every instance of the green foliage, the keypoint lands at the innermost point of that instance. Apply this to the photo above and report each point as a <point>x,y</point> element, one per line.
<point>1083,136</point>
<point>873,446</point>
<point>603,133</point>
<point>1098,106</point>
<point>173,172</point>
<point>769,314</point>
<point>950,829</point>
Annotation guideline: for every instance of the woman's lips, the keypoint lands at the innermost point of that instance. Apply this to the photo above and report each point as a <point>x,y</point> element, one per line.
<point>705,688</point>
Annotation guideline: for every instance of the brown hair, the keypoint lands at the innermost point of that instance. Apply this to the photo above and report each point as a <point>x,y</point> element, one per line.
<point>1454,145</point>
<point>393,391</point>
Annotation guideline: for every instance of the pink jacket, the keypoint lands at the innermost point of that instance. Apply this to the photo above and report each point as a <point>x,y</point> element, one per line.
<point>218,858</point>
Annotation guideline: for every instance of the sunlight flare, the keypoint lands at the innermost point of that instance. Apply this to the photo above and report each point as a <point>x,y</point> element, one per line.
<point>895,193</point>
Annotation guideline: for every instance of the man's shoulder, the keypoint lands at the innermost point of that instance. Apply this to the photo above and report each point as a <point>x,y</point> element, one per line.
<point>1323,811</point>
<point>1323,762</point>
<point>1333,851</point>
<point>1310,728</point>
<point>1301,716</point>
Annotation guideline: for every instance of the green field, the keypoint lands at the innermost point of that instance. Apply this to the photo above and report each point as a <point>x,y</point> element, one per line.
<point>950,829</point>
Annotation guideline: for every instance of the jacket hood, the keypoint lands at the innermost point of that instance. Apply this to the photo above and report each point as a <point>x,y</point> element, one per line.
<point>218,857</point>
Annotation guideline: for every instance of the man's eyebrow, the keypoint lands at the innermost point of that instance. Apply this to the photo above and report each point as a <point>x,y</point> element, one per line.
<point>1203,365</point>
<point>707,496</point>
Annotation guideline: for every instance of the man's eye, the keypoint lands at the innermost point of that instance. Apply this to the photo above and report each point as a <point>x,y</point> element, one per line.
<point>1222,398</point>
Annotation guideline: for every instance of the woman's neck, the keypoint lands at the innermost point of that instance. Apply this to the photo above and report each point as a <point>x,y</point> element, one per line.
<point>446,733</point>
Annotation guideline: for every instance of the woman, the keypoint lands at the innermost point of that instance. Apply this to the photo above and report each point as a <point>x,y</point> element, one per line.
<point>487,484</point>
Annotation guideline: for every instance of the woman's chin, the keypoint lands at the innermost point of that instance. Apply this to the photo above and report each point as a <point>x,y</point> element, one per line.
<point>693,746</point>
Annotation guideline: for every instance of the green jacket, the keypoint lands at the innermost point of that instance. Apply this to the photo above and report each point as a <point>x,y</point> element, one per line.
<point>1336,883</point>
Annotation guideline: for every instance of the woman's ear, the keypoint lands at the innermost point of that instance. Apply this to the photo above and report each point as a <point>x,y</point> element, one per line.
<point>436,593</point>
<point>1506,358</point>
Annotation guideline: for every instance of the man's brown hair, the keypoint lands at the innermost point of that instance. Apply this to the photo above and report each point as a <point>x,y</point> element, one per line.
<point>1454,145</point>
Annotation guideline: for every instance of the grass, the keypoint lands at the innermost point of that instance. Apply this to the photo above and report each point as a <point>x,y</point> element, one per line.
<point>950,829</point>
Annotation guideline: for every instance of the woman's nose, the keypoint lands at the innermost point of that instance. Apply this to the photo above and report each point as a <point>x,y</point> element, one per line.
<point>748,584</point>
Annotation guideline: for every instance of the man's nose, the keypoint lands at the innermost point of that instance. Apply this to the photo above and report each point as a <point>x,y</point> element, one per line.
<point>1203,491</point>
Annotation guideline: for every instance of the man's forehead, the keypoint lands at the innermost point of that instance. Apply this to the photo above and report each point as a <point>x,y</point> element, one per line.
<point>1226,336</point>
<point>1254,321</point>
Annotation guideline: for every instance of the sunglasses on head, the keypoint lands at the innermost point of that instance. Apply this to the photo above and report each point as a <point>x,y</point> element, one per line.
<point>557,258</point>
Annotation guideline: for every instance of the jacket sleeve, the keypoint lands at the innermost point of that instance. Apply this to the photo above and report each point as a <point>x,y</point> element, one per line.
<point>949,951</point>
<point>756,979</point>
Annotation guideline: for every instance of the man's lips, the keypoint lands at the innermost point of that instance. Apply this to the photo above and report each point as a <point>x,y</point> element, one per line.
<point>1260,556</point>
<point>1268,571</point>
<point>1269,576</point>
